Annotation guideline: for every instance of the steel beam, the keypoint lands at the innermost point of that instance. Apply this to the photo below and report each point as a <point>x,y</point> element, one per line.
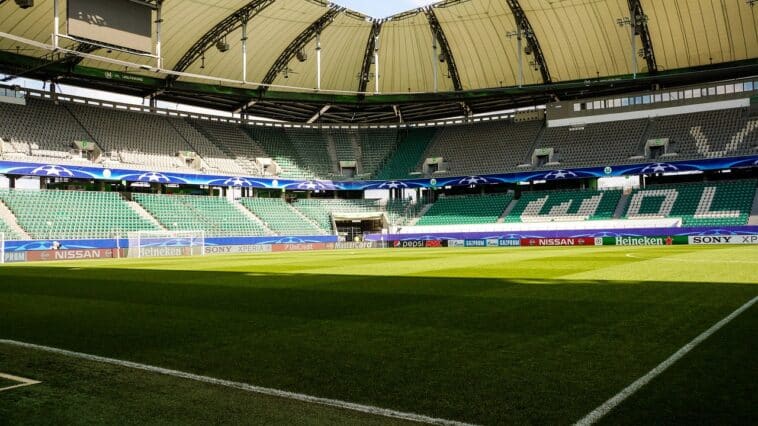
<point>298,43</point>
<point>226,26</point>
<point>368,56</point>
<point>531,39</point>
<point>439,35</point>
<point>639,21</point>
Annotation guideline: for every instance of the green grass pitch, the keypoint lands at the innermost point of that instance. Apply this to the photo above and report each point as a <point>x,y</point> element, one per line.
<point>486,336</point>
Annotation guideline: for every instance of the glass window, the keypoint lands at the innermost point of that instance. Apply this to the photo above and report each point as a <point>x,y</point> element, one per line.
<point>748,86</point>
<point>624,102</point>
<point>666,97</point>
<point>711,91</point>
<point>738,88</point>
<point>589,106</point>
<point>696,93</point>
<point>598,104</point>
<point>688,94</point>
<point>638,100</point>
<point>577,107</point>
<point>646,99</point>
<point>730,88</point>
<point>617,103</point>
<point>657,98</point>
<point>674,96</point>
<point>720,90</point>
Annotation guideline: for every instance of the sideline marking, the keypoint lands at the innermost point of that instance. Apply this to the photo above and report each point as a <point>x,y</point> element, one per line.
<point>609,405</point>
<point>368,409</point>
<point>22,381</point>
<point>670,259</point>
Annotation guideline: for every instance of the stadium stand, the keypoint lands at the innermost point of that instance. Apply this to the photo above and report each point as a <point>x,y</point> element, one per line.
<point>277,145</point>
<point>72,214</point>
<point>312,145</point>
<point>233,141</point>
<point>216,216</point>
<point>216,160</point>
<point>6,230</point>
<point>710,134</point>
<point>407,155</point>
<point>40,131</point>
<point>280,217</point>
<point>698,204</point>
<point>615,142</point>
<point>490,147</point>
<point>551,206</point>
<point>466,209</point>
<point>136,138</point>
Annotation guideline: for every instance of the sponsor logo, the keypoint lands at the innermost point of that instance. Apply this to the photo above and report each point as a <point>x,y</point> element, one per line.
<point>302,247</point>
<point>414,244</point>
<point>553,242</point>
<point>354,245</point>
<point>257,248</point>
<point>161,251</point>
<point>724,239</point>
<point>433,243</point>
<point>640,241</point>
<point>509,243</point>
<point>475,243</point>
<point>15,256</point>
<point>492,243</point>
<point>456,243</point>
<point>34,256</point>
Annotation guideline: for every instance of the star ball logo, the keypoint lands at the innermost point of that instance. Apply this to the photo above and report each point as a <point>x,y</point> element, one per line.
<point>560,174</point>
<point>153,177</point>
<point>393,185</point>
<point>660,168</point>
<point>237,182</point>
<point>311,185</point>
<point>52,170</point>
<point>473,180</point>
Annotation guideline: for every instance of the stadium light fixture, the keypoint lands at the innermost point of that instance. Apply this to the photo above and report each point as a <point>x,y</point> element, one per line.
<point>517,34</point>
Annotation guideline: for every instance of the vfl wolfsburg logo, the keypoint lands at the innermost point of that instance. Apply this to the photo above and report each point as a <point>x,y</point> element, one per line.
<point>52,170</point>
<point>608,170</point>
<point>432,181</point>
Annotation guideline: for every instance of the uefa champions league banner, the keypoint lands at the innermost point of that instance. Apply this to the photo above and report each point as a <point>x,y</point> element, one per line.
<point>167,177</point>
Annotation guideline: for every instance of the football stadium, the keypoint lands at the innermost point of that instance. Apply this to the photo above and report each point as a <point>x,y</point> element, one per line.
<point>461,212</point>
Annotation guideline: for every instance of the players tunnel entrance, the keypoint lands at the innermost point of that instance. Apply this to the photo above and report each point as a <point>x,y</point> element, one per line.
<point>353,226</point>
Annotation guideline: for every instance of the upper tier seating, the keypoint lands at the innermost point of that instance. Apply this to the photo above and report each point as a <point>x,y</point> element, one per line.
<point>73,214</point>
<point>710,134</point>
<point>216,216</point>
<point>232,140</point>
<point>279,148</point>
<point>551,206</point>
<point>710,203</point>
<point>595,144</point>
<point>217,161</point>
<point>280,217</point>
<point>466,209</point>
<point>408,154</point>
<point>489,147</point>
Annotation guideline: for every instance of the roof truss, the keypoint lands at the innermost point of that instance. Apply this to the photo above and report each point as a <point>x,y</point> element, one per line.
<point>445,46</point>
<point>298,43</point>
<point>640,21</point>
<point>376,28</point>
<point>531,39</point>
<point>226,26</point>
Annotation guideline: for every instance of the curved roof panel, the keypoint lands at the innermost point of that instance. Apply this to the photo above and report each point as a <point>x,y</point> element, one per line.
<point>580,39</point>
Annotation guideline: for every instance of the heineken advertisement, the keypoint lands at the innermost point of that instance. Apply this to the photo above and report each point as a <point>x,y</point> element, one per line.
<point>643,241</point>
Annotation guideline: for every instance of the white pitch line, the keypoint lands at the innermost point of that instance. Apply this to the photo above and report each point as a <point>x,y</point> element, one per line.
<point>368,409</point>
<point>22,381</point>
<point>673,259</point>
<point>609,405</point>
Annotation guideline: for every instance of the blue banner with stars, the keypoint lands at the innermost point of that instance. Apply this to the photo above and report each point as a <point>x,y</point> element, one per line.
<point>167,177</point>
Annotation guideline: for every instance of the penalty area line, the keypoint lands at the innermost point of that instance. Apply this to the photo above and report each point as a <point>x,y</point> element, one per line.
<point>350,406</point>
<point>609,405</point>
<point>22,381</point>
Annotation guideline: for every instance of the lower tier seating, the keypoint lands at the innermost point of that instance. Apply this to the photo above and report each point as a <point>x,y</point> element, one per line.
<point>466,209</point>
<point>709,203</point>
<point>216,216</point>
<point>564,205</point>
<point>72,214</point>
<point>280,217</point>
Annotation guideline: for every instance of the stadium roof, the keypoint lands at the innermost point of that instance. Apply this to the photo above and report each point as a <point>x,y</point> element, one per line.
<point>568,41</point>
